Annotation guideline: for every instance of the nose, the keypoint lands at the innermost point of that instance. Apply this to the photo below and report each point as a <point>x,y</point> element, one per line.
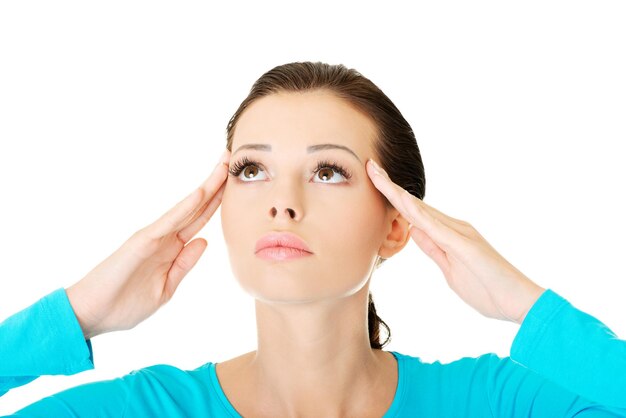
<point>286,197</point>
<point>287,213</point>
<point>286,207</point>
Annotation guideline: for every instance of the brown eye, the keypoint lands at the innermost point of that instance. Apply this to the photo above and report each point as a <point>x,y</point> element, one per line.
<point>241,170</point>
<point>247,174</point>
<point>331,173</point>
<point>326,173</point>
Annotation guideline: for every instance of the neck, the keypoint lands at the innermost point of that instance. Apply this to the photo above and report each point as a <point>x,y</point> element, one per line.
<point>317,357</point>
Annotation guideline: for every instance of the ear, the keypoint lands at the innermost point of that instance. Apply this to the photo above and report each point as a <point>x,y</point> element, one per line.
<point>397,237</point>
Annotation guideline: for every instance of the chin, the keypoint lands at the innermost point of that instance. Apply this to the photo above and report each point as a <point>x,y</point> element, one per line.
<point>276,288</point>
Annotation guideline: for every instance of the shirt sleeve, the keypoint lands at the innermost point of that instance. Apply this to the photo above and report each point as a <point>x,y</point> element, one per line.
<point>514,391</point>
<point>572,349</point>
<point>43,339</point>
<point>155,391</point>
<point>107,398</point>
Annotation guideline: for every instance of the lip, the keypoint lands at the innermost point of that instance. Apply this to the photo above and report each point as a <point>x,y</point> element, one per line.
<point>281,253</point>
<point>282,241</point>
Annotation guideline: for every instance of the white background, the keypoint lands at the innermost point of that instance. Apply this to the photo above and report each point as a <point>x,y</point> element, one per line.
<point>111,112</point>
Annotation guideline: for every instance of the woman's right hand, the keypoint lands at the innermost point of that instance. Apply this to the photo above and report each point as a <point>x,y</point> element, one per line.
<point>143,274</point>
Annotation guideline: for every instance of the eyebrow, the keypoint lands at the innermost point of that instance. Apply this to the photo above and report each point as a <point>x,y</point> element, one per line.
<point>309,149</point>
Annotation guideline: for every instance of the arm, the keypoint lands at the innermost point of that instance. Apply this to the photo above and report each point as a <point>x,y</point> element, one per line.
<point>513,390</point>
<point>43,339</point>
<point>559,342</point>
<point>488,386</point>
<point>156,391</point>
<point>52,336</point>
<point>573,349</point>
<point>107,398</point>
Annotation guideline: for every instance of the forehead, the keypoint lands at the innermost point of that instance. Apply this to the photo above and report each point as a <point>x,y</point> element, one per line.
<point>297,120</point>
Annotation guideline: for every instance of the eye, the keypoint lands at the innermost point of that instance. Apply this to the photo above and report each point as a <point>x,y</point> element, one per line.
<point>324,170</point>
<point>241,167</point>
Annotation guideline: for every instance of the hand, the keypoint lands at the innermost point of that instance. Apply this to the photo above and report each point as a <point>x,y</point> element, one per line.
<point>143,274</point>
<point>473,269</point>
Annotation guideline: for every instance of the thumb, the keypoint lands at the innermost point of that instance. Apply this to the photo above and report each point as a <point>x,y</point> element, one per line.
<point>184,262</point>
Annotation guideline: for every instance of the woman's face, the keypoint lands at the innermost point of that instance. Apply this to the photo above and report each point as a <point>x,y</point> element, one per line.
<point>343,220</point>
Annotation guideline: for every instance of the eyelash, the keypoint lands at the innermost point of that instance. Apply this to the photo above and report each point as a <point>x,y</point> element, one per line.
<point>240,165</point>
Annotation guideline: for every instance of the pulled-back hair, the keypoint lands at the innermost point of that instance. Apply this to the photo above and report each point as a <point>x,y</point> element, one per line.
<point>395,145</point>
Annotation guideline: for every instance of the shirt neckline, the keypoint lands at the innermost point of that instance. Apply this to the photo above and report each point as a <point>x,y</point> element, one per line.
<point>393,410</point>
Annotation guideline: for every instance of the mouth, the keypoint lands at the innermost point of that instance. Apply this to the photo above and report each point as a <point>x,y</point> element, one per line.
<point>281,246</point>
<point>283,239</point>
<point>281,253</point>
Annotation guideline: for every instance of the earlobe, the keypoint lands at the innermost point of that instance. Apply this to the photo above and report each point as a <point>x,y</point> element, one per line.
<point>397,237</point>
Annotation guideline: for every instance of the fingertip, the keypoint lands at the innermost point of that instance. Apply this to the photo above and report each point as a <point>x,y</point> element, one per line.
<point>202,244</point>
<point>186,260</point>
<point>225,157</point>
<point>192,194</point>
<point>374,168</point>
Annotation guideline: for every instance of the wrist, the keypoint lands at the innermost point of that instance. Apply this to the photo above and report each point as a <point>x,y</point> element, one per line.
<point>529,298</point>
<point>87,326</point>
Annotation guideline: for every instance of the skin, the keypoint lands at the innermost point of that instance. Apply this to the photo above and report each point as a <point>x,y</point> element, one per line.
<point>301,342</point>
<point>144,272</point>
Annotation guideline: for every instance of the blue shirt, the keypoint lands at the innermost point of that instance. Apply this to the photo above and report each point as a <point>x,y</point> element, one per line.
<point>563,363</point>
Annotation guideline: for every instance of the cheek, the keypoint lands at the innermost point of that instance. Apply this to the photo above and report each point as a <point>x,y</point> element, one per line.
<point>346,230</point>
<point>234,229</point>
<point>350,224</point>
<point>357,229</point>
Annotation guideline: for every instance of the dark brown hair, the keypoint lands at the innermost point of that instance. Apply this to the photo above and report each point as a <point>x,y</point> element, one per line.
<point>395,145</point>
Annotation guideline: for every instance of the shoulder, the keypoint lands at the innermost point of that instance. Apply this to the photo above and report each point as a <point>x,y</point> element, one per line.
<point>484,361</point>
<point>159,390</point>
<point>472,377</point>
<point>437,388</point>
<point>164,387</point>
<point>166,376</point>
<point>466,374</point>
<point>474,382</point>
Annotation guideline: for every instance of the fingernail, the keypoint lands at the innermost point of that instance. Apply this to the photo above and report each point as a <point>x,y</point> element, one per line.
<point>377,169</point>
<point>223,160</point>
<point>225,156</point>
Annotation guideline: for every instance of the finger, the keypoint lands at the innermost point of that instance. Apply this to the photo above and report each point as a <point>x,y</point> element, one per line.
<point>199,218</point>
<point>191,230</point>
<point>408,205</point>
<point>185,210</point>
<point>431,249</point>
<point>457,224</point>
<point>184,262</point>
<point>456,241</point>
<point>170,220</point>
<point>438,214</point>
<point>211,188</point>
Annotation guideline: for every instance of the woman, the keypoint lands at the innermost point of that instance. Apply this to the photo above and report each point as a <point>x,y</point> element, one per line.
<point>307,217</point>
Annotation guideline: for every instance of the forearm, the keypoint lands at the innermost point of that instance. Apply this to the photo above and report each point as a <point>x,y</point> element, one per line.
<point>43,339</point>
<point>573,349</point>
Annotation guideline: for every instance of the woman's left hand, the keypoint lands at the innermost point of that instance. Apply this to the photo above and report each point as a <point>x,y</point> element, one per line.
<point>473,269</point>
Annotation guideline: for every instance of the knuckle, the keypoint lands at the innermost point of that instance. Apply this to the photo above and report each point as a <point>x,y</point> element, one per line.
<point>468,229</point>
<point>464,224</point>
<point>182,264</point>
<point>141,244</point>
